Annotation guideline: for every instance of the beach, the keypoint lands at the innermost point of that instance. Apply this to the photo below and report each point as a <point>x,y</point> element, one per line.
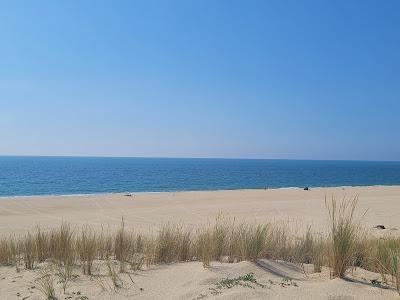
<point>147,212</point>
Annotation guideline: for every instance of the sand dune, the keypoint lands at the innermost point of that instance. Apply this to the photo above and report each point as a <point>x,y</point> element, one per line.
<point>275,280</point>
<point>145,212</point>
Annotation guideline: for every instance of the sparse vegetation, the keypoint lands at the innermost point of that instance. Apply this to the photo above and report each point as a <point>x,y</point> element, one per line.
<point>205,247</point>
<point>65,275</point>
<point>343,235</point>
<point>394,268</point>
<point>345,247</point>
<point>286,282</point>
<point>87,248</point>
<point>249,280</point>
<point>41,244</point>
<point>28,251</point>
<point>122,243</point>
<point>113,274</point>
<point>45,284</point>
<point>62,244</point>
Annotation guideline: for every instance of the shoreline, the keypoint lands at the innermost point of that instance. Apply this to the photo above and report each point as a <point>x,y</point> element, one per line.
<point>195,191</point>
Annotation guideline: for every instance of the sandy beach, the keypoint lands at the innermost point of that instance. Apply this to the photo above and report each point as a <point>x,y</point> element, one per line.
<point>147,211</point>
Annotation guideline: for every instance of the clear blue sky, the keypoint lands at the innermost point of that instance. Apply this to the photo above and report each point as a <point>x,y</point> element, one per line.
<point>254,79</point>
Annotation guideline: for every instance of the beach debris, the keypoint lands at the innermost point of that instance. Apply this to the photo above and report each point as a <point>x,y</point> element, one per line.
<point>380,227</point>
<point>128,195</point>
<point>376,282</point>
<point>306,188</point>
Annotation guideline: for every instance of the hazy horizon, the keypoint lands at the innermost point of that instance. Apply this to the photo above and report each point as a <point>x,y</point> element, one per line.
<point>192,157</point>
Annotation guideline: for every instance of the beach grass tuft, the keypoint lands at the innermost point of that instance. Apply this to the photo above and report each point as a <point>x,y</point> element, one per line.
<point>343,235</point>
<point>46,285</point>
<point>346,246</point>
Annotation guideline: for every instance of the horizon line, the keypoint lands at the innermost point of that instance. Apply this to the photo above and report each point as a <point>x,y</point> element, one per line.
<point>191,157</point>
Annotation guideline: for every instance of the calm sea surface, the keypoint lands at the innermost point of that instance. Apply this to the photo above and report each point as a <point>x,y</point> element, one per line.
<point>84,175</point>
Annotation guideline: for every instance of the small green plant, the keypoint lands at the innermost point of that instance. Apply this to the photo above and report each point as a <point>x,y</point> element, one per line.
<point>45,284</point>
<point>65,274</point>
<point>244,280</point>
<point>136,261</point>
<point>112,273</point>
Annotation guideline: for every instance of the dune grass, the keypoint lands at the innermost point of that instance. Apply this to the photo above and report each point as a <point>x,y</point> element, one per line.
<point>86,246</point>
<point>394,267</point>
<point>343,235</point>
<point>65,275</point>
<point>46,284</point>
<point>345,246</point>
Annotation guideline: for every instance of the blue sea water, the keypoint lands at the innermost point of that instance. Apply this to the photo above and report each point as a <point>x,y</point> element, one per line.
<point>86,175</point>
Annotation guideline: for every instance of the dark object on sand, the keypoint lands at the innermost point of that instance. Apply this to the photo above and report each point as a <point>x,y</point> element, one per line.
<point>128,195</point>
<point>380,227</point>
<point>306,188</point>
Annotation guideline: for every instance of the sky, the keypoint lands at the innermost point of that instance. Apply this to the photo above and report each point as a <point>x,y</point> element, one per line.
<point>210,78</point>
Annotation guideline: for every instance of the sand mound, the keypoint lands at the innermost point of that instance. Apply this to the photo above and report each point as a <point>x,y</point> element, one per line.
<point>245,280</point>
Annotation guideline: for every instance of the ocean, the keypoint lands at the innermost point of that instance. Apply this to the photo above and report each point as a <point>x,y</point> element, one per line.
<point>25,176</point>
